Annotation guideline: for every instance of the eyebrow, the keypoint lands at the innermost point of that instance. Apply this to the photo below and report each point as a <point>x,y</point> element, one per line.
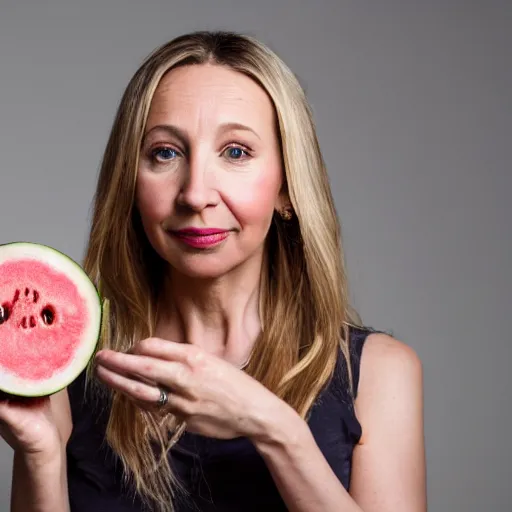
<point>182,135</point>
<point>227,127</point>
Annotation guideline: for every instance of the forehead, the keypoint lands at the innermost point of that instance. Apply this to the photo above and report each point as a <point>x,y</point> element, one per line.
<point>210,93</point>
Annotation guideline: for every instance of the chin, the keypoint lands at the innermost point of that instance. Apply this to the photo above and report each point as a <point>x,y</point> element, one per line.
<point>207,264</point>
<point>202,268</point>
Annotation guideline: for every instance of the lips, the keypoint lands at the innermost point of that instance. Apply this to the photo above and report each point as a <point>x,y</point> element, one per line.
<point>201,238</point>
<point>199,231</point>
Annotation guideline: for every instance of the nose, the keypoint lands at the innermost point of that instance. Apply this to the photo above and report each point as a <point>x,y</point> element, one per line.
<point>196,191</point>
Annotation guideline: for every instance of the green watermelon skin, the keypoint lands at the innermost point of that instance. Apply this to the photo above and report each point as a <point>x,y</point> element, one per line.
<point>50,319</point>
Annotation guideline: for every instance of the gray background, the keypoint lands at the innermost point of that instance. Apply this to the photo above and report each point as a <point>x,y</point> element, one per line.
<point>413,106</point>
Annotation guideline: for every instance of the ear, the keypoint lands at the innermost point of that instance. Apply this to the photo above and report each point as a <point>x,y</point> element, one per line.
<point>283,199</point>
<point>284,206</point>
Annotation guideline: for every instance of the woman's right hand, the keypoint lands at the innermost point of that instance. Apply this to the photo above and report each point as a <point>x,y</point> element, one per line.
<point>28,425</point>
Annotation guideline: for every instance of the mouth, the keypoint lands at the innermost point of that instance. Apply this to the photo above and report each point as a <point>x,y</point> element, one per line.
<point>199,231</point>
<point>200,238</point>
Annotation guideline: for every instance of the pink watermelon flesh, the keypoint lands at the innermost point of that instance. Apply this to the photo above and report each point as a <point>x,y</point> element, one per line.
<point>41,319</point>
<point>50,319</point>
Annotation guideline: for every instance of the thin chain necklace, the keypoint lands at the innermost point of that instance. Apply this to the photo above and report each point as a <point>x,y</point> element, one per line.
<point>246,363</point>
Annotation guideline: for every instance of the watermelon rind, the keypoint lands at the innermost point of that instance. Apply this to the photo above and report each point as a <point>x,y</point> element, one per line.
<point>13,385</point>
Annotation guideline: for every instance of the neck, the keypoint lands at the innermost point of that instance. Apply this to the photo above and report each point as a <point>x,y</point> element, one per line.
<point>220,315</point>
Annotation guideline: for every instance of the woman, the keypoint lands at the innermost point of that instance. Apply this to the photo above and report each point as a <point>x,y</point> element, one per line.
<point>231,374</point>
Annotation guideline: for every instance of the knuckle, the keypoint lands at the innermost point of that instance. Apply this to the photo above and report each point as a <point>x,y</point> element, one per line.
<point>146,345</point>
<point>196,357</point>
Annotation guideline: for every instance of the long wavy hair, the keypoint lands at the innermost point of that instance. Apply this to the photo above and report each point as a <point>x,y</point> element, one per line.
<point>304,305</point>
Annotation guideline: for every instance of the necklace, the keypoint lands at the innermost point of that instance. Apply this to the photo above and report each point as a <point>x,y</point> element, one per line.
<point>244,365</point>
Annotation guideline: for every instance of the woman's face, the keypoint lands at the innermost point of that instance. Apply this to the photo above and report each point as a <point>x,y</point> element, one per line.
<point>210,172</point>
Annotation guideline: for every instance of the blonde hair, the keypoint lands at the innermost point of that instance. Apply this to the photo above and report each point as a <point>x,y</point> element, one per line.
<point>304,303</point>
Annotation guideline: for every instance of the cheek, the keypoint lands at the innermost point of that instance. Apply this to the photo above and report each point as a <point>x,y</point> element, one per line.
<point>153,199</point>
<point>253,202</point>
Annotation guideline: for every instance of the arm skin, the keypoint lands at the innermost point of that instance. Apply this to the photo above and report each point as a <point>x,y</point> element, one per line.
<point>39,482</point>
<point>388,466</point>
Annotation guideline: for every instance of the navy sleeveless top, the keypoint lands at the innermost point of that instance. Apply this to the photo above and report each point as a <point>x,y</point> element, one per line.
<point>218,475</point>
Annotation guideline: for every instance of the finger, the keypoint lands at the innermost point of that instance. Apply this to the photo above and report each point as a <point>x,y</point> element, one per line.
<point>102,361</point>
<point>178,406</point>
<point>168,373</point>
<point>169,350</point>
<point>133,388</point>
<point>144,395</point>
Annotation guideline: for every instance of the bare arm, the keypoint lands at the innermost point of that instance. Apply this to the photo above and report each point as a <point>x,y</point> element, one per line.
<point>39,482</point>
<point>388,473</point>
<point>389,464</point>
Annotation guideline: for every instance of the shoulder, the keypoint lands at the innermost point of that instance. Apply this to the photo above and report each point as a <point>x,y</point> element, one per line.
<point>391,373</point>
<point>385,356</point>
<point>376,356</point>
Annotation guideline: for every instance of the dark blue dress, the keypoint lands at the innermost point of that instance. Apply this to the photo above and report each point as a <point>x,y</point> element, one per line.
<point>219,475</point>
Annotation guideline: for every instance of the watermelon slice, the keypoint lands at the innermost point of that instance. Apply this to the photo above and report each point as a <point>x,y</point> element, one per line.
<point>50,319</point>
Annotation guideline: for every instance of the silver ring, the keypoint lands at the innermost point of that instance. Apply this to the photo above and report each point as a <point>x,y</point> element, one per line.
<point>164,397</point>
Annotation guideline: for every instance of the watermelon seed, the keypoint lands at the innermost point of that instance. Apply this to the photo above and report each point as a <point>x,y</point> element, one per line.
<point>26,292</point>
<point>36,296</point>
<point>24,322</point>
<point>48,315</point>
<point>5,313</point>
<point>32,321</point>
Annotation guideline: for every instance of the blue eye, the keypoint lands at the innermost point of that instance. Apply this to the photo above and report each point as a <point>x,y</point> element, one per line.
<point>164,153</point>
<point>236,153</point>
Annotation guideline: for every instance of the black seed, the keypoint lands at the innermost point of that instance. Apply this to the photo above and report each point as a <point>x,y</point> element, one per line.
<point>48,315</point>
<point>32,321</point>
<point>5,313</point>
<point>36,296</point>
<point>26,291</point>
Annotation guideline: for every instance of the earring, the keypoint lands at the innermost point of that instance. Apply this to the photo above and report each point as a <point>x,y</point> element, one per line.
<point>286,213</point>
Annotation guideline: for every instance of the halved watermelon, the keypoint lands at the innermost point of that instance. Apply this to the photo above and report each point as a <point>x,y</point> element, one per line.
<point>50,319</point>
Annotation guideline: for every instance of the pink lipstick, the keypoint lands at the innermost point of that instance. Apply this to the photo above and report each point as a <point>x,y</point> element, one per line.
<point>201,238</point>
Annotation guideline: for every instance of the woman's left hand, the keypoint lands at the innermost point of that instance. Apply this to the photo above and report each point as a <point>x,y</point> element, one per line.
<point>214,398</point>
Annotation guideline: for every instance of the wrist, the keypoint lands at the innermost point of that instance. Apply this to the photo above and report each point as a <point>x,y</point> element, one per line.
<point>40,481</point>
<point>285,430</point>
<point>50,457</point>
